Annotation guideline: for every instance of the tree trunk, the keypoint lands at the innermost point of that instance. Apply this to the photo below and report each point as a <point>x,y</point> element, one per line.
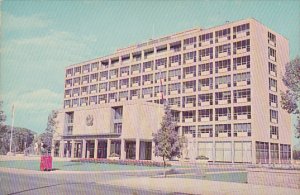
<point>164,167</point>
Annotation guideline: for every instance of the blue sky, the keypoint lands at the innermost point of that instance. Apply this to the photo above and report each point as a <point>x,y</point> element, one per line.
<point>40,38</point>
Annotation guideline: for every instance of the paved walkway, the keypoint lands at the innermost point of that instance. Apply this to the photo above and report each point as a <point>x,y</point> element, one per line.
<point>195,186</point>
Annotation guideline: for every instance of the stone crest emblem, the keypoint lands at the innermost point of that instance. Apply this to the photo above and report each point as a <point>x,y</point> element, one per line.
<point>89,121</point>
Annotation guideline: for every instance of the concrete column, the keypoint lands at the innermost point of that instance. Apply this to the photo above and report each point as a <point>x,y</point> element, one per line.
<point>72,148</point>
<point>83,148</point>
<point>96,149</point>
<point>108,148</point>
<point>137,149</point>
<point>123,152</point>
<point>61,148</point>
<point>232,152</point>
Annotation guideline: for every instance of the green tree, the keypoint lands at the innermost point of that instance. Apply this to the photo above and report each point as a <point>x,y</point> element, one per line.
<point>47,136</point>
<point>291,97</point>
<point>166,140</point>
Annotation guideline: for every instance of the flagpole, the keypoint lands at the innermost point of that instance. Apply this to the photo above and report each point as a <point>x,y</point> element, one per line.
<point>12,127</point>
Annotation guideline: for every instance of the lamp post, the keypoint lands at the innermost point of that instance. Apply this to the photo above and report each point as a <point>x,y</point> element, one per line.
<point>11,131</point>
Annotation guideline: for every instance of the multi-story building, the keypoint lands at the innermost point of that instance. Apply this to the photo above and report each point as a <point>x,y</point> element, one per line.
<point>223,85</point>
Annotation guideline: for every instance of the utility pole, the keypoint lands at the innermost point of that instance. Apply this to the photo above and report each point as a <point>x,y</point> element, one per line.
<point>12,128</point>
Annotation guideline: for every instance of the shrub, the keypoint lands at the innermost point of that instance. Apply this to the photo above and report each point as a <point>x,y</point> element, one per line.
<point>202,158</point>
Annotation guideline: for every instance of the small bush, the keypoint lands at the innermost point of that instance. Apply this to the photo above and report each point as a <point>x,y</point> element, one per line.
<point>202,158</point>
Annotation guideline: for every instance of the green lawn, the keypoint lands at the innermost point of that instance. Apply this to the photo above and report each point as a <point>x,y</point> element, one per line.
<point>72,166</point>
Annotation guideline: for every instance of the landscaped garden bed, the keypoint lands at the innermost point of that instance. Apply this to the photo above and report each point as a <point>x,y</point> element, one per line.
<point>121,162</point>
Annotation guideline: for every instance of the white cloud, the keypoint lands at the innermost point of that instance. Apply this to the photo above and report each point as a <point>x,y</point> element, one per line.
<point>42,100</point>
<point>11,22</point>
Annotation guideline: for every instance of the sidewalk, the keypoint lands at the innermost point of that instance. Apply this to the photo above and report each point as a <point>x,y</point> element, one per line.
<point>196,186</point>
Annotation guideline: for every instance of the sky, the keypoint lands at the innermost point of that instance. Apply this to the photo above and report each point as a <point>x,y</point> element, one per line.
<point>38,39</point>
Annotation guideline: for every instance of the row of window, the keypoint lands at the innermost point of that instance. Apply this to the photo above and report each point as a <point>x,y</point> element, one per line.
<point>203,54</point>
<point>265,149</point>
<point>219,130</point>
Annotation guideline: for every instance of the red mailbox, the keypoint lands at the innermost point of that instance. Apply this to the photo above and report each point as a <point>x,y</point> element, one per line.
<point>46,163</point>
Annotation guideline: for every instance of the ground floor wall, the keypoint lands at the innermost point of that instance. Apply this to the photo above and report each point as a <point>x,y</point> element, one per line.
<point>139,149</point>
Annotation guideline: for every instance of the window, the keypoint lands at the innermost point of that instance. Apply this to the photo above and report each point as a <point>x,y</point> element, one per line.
<point>118,128</point>
<point>223,50</point>
<point>84,101</point>
<point>104,75</point>
<point>241,46</point>
<point>175,59</point>
<point>67,103</point>
<point>148,66</point>
<point>241,79</point>
<point>135,81</point>
<point>93,88</point>
<point>84,90</point>
<point>206,38</point>
<point>69,117</point>
<point>161,63</point>
<point>85,79</point>
<point>113,85</point>
<point>102,98</point>
<point>223,114</point>
<point>104,64</point>
<point>274,151</point>
<point>274,132</point>
<point>262,152</point>
<point>136,68</point>
<point>125,58</point>
<point>205,99</point>
<point>242,112</point>
<point>272,54</point>
<point>176,46</point>
<point>220,96</point>
<point>189,130</point>
<point>272,84</point>
<point>115,147</point>
<point>135,93</point>
<point>68,83</point>
<point>124,71</point>
<point>189,116</point>
<point>160,89</point>
<point>243,129</point>
<point>76,92</point>
<point>285,153</point>
<point>69,130</point>
<point>206,54</point>
<point>274,116</point>
<point>77,70</point>
<point>205,69</point>
<point>189,86</point>
<point>147,91</point>
<point>148,52</point>
<point>68,93</point>
<point>124,82</point>
<point>86,68</point>
<point>189,101</point>
<point>238,30</point>
<point>174,87</point>
<point>123,95</point>
<point>76,81</point>
<point>174,101</point>
<point>273,101</point>
<point>175,116</point>
<point>241,62</point>
<point>205,115</point>
<point>95,66</point>
<point>113,73</point>
<point>223,81</point>
<point>93,100</point>
<point>242,95</point>
<point>205,84</point>
<point>189,41</point>
<point>161,48</point>
<point>189,72</point>
<point>112,97</point>
<point>176,74</point>
<point>189,57</point>
<point>223,130</point>
<point>272,69</point>
<point>137,56</point>
<point>69,72</point>
<point>222,33</point>
<point>118,112</point>
<point>75,102</point>
<point>94,77</point>
<point>205,131</point>
<point>224,64</point>
<point>103,87</point>
<point>148,79</point>
<point>114,61</point>
<point>272,39</point>
<point>160,77</point>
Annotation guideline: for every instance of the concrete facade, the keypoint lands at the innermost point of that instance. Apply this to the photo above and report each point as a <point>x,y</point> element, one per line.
<point>223,85</point>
